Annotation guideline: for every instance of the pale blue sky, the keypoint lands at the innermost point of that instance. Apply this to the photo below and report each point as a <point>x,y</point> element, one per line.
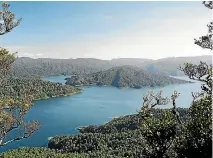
<point>107,30</point>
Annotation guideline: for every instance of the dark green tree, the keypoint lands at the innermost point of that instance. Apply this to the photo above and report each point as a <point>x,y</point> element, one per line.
<point>196,140</point>
<point>168,135</point>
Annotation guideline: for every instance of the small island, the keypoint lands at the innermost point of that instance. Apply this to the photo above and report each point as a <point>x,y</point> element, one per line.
<point>123,76</point>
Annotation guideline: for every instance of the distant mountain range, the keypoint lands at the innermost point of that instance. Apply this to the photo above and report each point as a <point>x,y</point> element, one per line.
<point>123,76</point>
<point>170,65</point>
<point>25,66</point>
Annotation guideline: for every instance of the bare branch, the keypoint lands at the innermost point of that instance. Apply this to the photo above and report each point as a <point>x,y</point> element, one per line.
<point>201,72</point>
<point>174,96</point>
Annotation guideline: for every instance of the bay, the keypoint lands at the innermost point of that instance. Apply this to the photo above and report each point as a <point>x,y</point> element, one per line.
<point>96,105</point>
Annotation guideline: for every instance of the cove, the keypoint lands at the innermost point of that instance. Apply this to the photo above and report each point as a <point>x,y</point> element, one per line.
<point>96,105</point>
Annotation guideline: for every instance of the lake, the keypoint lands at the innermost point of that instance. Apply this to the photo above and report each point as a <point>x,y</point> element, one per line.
<point>96,105</point>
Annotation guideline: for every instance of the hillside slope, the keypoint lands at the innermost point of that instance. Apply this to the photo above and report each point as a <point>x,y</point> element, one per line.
<point>123,76</point>
<point>39,89</point>
<point>53,67</point>
<point>25,67</point>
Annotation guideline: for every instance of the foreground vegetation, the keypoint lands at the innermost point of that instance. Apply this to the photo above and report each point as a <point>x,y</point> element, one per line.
<point>124,76</point>
<point>121,137</point>
<point>36,152</point>
<point>128,122</point>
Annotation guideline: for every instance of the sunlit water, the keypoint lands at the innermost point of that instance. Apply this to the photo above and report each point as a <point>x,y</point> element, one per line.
<point>96,105</point>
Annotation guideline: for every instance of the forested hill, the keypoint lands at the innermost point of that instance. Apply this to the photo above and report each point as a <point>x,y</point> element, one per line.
<point>39,89</point>
<point>25,66</point>
<point>53,67</point>
<point>123,76</point>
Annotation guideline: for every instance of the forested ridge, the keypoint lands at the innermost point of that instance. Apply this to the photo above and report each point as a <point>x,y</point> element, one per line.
<point>123,76</point>
<point>38,88</point>
<point>25,66</point>
<point>53,67</point>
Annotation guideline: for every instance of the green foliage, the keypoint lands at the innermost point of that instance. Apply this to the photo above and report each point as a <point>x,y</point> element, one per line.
<point>39,89</point>
<point>119,144</point>
<point>121,137</point>
<point>6,60</point>
<point>160,134</point>
<point>196,140</point>
<point>25,67</point>
<point>16,95</point>
<point>128,122</point>
<point>124,76</point>
<point>36,152</point>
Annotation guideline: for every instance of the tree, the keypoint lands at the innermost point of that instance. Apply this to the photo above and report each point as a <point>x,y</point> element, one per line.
<point>7,19</point>
<point>192,138</point>
<point>159,130</point>
<point>7,24</point>
<point>196,140</point>
<point>206,41</point>
<point>12,108</point>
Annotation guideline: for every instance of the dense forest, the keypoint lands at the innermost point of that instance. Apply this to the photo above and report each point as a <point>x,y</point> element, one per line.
<point>123,76</point>
<point>25,66</point>
<point>38,88</point>
<point>38,152</point>
<point>121,137</point>
<point>51,67</point>
<point>128,122</point>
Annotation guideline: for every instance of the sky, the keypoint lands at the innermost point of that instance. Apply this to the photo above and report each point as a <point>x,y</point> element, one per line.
<point>107,30</point>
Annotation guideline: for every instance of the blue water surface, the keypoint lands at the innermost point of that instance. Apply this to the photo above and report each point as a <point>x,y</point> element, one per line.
<point>96,105</point>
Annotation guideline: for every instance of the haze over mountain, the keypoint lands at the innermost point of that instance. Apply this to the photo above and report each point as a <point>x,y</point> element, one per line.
<point>170,65</point>
<point>26,66</point>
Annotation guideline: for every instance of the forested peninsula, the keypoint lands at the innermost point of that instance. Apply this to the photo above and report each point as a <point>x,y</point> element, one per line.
<point>123,76</point>
<point>38,88</point>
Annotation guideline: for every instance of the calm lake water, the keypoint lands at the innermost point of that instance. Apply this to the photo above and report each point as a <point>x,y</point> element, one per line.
<point>96,105</point>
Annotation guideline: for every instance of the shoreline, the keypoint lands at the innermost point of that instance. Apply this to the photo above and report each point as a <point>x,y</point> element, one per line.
<point>90,85</point>
<point>65,95</point>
